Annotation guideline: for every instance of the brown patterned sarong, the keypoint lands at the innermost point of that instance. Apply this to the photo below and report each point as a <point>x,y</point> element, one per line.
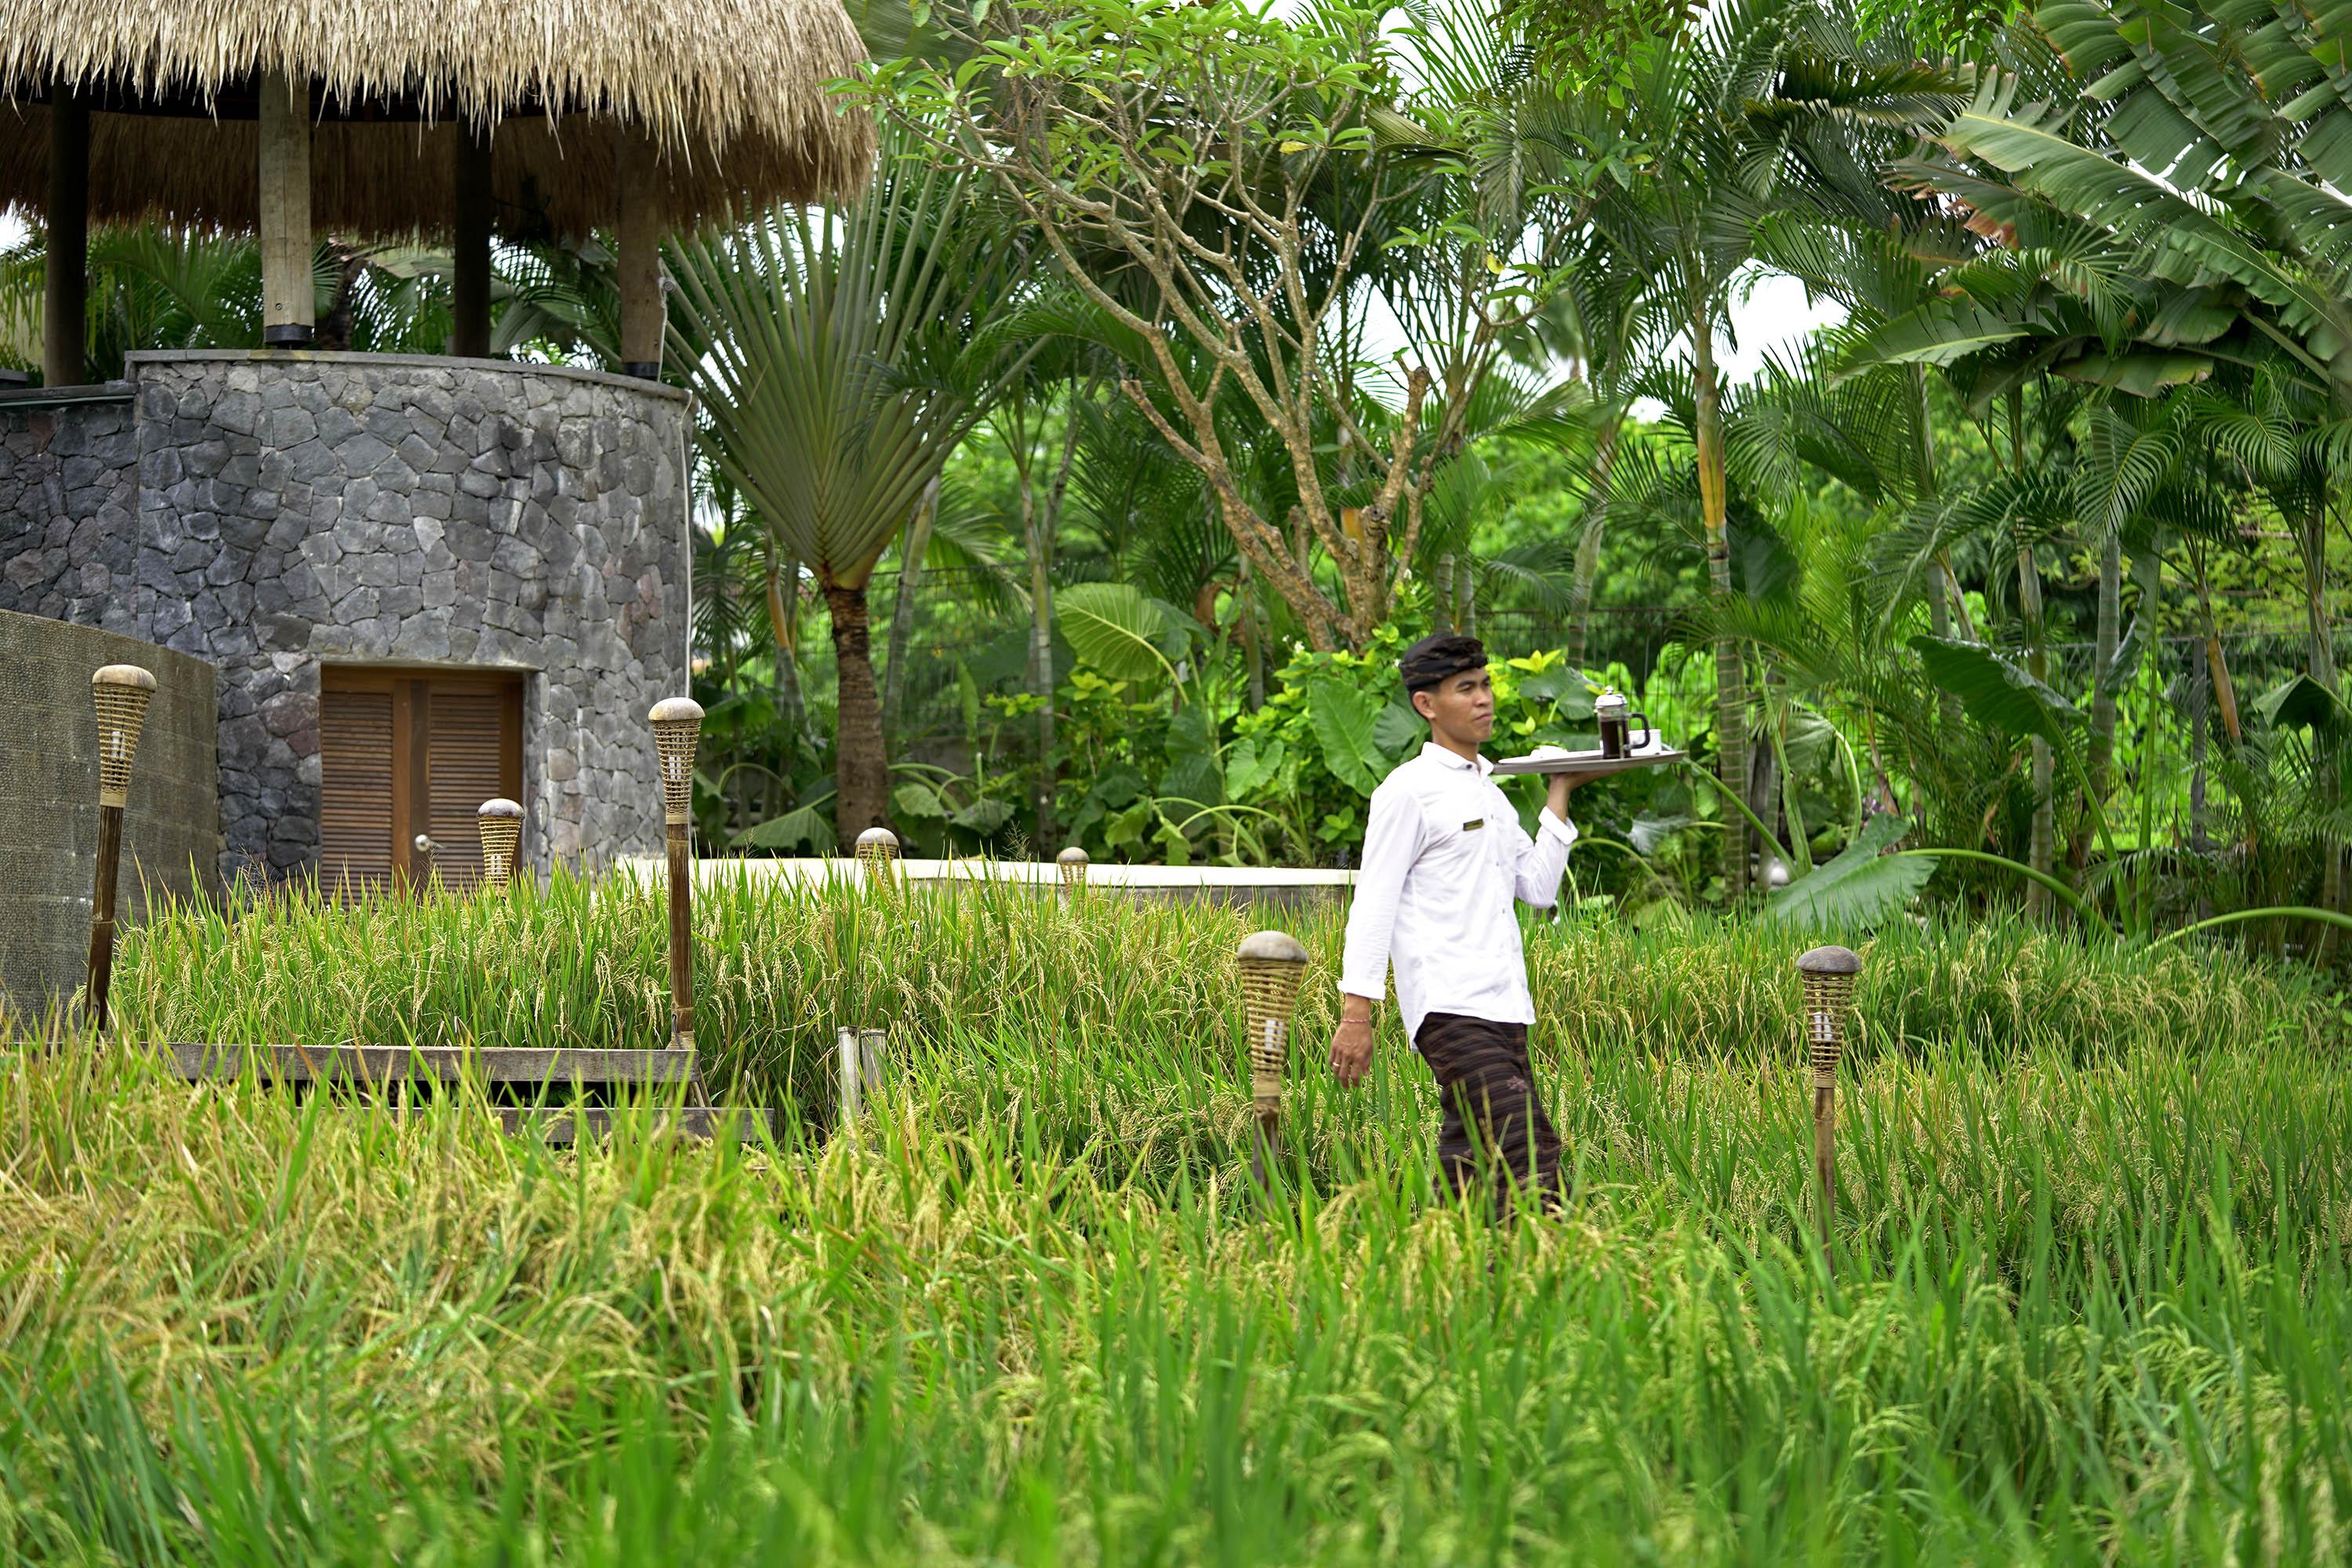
<point>1496,1138</point>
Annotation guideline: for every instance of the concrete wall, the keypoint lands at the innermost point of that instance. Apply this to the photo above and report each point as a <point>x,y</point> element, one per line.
<point>289,510</point>
<point>48,798</point>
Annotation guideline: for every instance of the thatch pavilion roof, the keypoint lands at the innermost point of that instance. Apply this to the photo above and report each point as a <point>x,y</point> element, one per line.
<point>733,92</point>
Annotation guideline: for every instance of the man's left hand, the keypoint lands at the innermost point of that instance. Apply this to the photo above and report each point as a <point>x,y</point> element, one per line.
<point>1558,797</point>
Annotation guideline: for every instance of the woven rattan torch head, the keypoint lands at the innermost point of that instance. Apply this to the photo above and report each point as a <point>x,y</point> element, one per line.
<point>499,821</point>
<point>1073,863</point>
<point>1829,974</point>
<point>1272,964</point>
<point>877,852</point>
<point>121,692</point>
<point>677,721</point>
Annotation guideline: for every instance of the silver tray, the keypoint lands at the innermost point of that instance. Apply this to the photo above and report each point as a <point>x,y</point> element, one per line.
<point>1588,765</point>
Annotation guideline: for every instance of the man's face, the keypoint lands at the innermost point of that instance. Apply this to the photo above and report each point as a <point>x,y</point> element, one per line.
<point>1460,709</point>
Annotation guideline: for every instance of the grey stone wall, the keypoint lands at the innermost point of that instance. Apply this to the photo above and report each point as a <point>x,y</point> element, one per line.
<point>292,511</point>
<point>68,502</point>
<point>49,785</point>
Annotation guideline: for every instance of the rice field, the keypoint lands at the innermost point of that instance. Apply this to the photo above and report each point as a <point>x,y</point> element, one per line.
<point>2089,1303</point>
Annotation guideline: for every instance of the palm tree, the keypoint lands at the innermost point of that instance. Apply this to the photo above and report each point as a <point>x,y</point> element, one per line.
<point>1704,146</point>
<point>840,359</point>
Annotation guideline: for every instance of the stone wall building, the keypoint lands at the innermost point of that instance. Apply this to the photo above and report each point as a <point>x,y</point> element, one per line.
<point>418,578</point>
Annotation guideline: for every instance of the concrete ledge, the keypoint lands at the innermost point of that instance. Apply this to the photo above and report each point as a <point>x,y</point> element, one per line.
<point>59,396</point>
<point>418,361</point>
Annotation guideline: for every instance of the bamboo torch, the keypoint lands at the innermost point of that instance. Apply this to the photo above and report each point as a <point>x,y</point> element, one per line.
<point>1272,964</point>
<point>1829,978</point>
<point>500,821</point>
<point>121,692</point>
<point>677,721</point>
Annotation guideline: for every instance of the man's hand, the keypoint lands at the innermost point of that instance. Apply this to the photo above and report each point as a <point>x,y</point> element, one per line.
<point>1352,1042</point>
<point>1558,799</point>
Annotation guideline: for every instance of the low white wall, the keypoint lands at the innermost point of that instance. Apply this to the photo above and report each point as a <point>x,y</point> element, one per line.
<point>1217,884</point>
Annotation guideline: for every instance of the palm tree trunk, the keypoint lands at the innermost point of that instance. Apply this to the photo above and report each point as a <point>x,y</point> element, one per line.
<point>1465,597</point>
<point>2108,634</point>
<point>2041,851</point>
<point>861,766</point>
<point>911,551</point>
<point>2312,539</point>
<point>1731,677</point>
<point>1253,651</point>
<point>785,627</point>
<point>1442,598</point>
<point>1588,550</point>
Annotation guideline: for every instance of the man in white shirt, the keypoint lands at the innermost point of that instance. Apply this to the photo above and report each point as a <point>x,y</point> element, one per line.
<point>1444,858</point>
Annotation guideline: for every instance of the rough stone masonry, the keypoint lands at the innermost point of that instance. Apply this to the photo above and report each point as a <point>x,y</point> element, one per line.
<point>271,512</point>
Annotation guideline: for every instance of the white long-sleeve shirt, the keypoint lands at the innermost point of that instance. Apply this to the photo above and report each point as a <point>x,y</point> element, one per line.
<point>1444,855</point>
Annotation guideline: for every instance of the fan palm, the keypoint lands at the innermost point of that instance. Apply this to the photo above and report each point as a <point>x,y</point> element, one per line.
<point>840,359</point>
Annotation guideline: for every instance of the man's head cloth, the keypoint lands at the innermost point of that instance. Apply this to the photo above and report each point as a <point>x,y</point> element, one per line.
<point>1434,659</point>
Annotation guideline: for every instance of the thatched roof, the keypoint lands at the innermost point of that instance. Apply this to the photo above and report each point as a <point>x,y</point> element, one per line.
<point>733,92</point>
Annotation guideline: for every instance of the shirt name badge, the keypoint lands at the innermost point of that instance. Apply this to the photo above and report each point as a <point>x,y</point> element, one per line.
<point>1473,826</point>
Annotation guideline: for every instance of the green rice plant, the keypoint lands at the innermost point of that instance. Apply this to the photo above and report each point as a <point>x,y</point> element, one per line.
<point>779,968</point>
<point>2090,1299</point>
<point>2083,1311</point>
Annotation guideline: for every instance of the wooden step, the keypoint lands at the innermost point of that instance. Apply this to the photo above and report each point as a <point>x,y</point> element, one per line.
<point>559,1067</point>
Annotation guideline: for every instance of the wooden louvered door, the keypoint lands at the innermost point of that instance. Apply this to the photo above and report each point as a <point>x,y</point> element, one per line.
<point>357,767</point>
<point>406,754</point>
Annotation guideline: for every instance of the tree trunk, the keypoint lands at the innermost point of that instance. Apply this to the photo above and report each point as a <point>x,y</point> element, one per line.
<point>2217,664</point>
<point>2313,538</point>
<point>1588,550</point>
<point>1465,597</point>
<point>784,625</point>
<point>2041,853</point>
<point>1440,600</point>
<point>1730,675</point>
<point>902,611</point>
<point>1253,651</point>
<point>861,767</point>
<point>2106,636</point>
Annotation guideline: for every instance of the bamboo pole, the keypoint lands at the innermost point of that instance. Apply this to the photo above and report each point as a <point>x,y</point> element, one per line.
<point>121,692</point>
<point>289,300</point>
<point>677,721</point>
<point>65,297</point>
<point>1829,978</point>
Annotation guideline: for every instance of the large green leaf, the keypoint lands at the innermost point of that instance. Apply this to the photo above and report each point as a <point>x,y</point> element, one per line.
<point>806,828</point>
<point>2302,702</point>
<point>1862,886</point>
<point>1113,627</point>
<point>1345,721</point>
<point>1997,692</point>
<point>1192,773</point>
<point>1397,732</point>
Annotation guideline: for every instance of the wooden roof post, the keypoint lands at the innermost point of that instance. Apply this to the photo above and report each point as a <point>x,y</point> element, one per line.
<point>289,305</point>
<point>470,283</point>
<point>640,227</point>
<point>65,297</point>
